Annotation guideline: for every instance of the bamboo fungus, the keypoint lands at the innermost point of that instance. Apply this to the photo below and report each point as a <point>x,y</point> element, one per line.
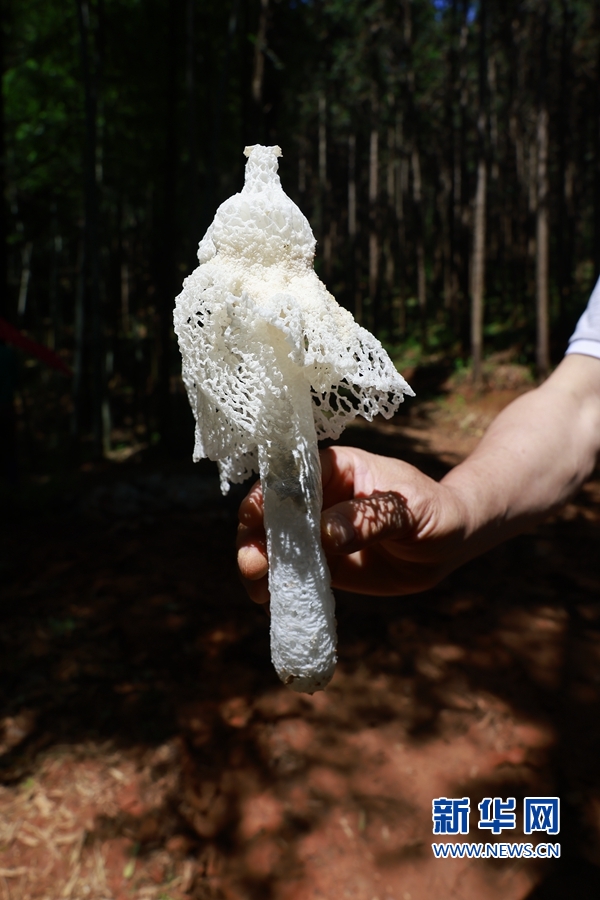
<point>271,364</point>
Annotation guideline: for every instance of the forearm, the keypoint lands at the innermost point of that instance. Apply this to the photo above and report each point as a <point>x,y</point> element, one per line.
<point>388,529</point>
<point>534,456</point>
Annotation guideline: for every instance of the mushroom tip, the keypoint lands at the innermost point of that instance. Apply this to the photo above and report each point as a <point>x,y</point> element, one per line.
<point>307,684</point>
<point>275,149</point>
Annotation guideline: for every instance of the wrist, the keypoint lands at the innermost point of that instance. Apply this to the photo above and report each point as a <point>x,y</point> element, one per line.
<point>475,525</point>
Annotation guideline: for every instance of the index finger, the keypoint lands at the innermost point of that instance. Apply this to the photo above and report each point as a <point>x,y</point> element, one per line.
<point>250,512</point>
<point>339,474</point>
<point>338,465</point>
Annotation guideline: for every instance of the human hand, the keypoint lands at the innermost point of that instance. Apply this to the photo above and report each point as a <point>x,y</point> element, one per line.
<point>387,528</point>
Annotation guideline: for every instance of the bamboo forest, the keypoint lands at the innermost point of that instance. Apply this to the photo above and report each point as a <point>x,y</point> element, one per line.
<point>446,154</point>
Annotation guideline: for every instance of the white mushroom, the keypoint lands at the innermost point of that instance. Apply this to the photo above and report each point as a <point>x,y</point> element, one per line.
<point>271,363</point>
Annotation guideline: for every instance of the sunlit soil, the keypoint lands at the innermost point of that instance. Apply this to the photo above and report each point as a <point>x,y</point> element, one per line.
<point>147,749</point>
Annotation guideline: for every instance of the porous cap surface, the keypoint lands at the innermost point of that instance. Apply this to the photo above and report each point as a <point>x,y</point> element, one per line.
<point>261,224</point>
<point>254,318</point>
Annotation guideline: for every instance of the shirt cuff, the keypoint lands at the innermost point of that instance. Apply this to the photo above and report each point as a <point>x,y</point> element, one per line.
<point>585,347</point>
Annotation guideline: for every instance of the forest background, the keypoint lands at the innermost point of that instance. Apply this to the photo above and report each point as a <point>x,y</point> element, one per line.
<point>446,153</point>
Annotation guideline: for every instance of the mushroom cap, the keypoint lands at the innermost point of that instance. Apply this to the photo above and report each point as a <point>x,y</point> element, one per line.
<point>261,223</point>
<point>254,315</point>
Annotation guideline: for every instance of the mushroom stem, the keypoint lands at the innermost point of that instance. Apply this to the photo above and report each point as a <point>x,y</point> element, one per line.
<point>303,635</point>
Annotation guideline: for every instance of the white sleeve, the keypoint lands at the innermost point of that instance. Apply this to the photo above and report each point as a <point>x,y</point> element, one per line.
<point>586,337</point>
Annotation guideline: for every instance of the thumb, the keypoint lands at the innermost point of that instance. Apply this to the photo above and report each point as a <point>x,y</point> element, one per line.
<point>354,524</point>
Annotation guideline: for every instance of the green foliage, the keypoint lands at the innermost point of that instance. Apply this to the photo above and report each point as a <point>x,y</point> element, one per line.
<point>42,103</point>
<point>181,87</point>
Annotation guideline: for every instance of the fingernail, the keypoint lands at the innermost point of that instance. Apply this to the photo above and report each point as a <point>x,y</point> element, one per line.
<point>338,529</point>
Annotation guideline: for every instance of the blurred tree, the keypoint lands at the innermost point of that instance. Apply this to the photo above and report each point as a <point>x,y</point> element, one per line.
<point>90,311</point>
<point>425,150</point>
<point>479,216</point>
<point>4,226</point>
<point>542,222</point>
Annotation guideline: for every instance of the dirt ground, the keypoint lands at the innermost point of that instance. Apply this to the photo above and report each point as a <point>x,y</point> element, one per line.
<point>148,751</point>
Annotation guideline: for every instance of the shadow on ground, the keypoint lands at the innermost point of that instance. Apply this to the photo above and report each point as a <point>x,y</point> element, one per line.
<point>127,640</point>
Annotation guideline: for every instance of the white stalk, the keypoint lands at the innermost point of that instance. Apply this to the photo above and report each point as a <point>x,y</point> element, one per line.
<point>262,340</point>
<point>303,638</point>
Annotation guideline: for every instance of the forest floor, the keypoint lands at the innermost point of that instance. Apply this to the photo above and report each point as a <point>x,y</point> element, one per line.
<point>148,751</point>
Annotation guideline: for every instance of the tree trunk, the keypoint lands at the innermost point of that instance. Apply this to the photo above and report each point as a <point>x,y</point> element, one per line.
<point>374,251</point>
<point>210,190</point>
<point>4,304</point>
<point>401,186</point>
<point>55,305</point>
<point>542,232</point>
<point>521,211</point>
<point>542,248</point>
<point>167,279</point>
<point>190,84</point>
<point>401,190</point>
<point>329,248</point>
<point>478,272</point>
<point>390,229</point>
<point>322,141</point>
<point>453,174</point>
<point>302,153</point>
<point>479,218</point>
<point>258,75</point>
<point>25,278</point>
<point>416,172</point>
<point>597,165</point>
<point>79,355</point>
<point>322,150</point>
<point>419,237</point>
<point>91,261</point>
<point>493,118</point>
<point>461,179</point>
<point>445,207</point>
<point>352,187</point>
<point>125,292</point>
<point>354,273</point>
<point>564,268</point>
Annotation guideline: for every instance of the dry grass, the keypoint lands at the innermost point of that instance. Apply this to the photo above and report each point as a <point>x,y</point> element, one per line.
<point>147,751</point>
